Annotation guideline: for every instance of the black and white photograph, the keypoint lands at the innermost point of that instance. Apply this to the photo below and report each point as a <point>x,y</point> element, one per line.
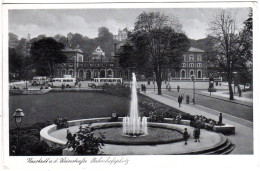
<point>124,81</point>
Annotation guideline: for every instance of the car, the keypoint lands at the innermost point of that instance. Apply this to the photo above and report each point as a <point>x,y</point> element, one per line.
<point>245,87</point>
<point>92,85</point>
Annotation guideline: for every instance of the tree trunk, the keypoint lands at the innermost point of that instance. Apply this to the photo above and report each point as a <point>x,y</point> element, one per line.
<point>231,95</point>
<point>159,85</point>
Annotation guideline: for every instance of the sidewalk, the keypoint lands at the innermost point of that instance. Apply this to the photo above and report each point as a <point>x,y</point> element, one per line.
<point>222,94</point>
<point>243,139</point>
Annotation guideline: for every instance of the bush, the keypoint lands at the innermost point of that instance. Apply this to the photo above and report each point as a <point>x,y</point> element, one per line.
<point>30,143</point>
<point>118,90</point>
<point>84,142</point>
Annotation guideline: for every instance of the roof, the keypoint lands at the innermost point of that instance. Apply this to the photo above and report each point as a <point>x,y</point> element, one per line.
<point>192,49</point>
<point>73,50</point>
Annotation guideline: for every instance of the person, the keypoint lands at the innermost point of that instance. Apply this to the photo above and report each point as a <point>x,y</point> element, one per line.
<point>79,85</point>
<point>178,88</point>
<point>148,81</point>
<point>220,119</point>
<point>169,87</point>
<point>179,101</point>
<point>114,117</point>
<point>65,122</point>
<point>69,137</point>
<point>185,136</point>
<point>239,91</point>
<point>178,118</point>
<point>187,99</point>
<point>182,94</point>
<point>196,134</point>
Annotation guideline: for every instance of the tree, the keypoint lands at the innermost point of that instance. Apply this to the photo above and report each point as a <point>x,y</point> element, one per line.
<point>45,54</point>
<point>228,51</point>
<point>13,40</point>
<point>158,44</point>
<point>105,40</point>
<point>15,64</point>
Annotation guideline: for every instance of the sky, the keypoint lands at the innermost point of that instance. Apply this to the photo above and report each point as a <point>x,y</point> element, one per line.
<point>87,21</point>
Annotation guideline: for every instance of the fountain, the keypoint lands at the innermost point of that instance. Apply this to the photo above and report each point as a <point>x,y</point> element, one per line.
<point>134,125</point>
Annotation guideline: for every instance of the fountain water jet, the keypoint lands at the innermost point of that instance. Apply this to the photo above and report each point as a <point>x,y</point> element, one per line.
<point>134,125</point>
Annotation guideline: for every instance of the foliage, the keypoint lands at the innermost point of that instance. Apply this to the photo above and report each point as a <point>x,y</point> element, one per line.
<point>85,143</point>
<point>45,54</point>
<point>61,122</point>
<point>118,90</point>
<point>229,51</point>
<point>158,44</point>
<point>15,64</point>
<point>30,143</point>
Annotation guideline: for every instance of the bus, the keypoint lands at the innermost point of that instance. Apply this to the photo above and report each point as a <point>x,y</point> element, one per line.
<point>67,82</point>
<point>39,80</point>
<point>103,81</point>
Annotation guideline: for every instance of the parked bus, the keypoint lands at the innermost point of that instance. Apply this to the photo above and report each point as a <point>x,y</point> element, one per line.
<point>39,80</point>
<point>67,82</point>
<point>102,81</point>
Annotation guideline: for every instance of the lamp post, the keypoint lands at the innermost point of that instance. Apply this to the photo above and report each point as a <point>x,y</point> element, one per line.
<point>193,80</point>
<point>154,81</point>
<point>18,116</point>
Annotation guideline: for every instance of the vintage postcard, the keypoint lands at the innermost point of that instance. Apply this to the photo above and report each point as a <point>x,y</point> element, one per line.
<point>114,85</point>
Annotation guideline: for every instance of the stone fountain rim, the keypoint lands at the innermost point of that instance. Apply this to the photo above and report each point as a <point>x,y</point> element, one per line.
<point>105,125</point>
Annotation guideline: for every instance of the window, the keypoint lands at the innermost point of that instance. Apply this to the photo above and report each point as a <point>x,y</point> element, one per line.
<point>183,65</point>
<point>199,57</point>
<point>191,65</point>
<point>191,57</point>
<point>199,65</point>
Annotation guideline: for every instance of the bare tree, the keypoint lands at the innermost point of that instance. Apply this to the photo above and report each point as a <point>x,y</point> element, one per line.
<point>228,50</point>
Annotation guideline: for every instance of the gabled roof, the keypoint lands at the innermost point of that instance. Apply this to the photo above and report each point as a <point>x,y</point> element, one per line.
<point>192,49</point>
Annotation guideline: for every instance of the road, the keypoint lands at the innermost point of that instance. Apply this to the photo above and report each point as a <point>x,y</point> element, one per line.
<point>234,109</point>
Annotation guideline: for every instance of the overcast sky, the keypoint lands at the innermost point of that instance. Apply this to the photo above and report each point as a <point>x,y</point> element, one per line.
<point>87,21</point>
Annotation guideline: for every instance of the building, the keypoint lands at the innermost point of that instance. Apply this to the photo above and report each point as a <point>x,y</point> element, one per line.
<point>121,35</point>
<point>194,63</point>
<point>97,66</point>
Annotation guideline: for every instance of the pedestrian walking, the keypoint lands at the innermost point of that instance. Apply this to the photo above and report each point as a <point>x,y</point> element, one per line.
<point>182,94</point>
<point>196,134</point>
<point>185,136</point>
<point>178,88</point>
<point>187,99</point>
<point>179,100</point>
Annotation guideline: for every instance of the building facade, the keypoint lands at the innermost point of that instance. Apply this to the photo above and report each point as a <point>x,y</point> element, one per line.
<point>121,35</point>
<point>194,63</point>
<point>98,66</point>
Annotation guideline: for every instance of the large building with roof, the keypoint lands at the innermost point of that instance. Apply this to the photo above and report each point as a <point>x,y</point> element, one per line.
<point>194,63</point>
<point>97,66</point>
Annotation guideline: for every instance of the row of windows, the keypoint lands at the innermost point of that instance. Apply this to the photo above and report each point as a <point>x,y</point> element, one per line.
<point>83,65</point>
<point>191,57</point>
<point>192,65</point>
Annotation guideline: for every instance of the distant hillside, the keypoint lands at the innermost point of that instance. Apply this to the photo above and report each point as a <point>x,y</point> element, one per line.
<point>202,44</point>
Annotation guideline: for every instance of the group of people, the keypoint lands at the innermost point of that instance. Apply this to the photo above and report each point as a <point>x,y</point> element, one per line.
<point>143,88</point>
<point>61,122</point>
<point>196,135</point>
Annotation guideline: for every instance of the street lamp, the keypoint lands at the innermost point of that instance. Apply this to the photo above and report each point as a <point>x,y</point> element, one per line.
<point>193,80</point>
<point>18,116</point>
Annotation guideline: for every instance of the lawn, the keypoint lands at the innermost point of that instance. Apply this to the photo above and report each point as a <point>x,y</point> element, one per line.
<point>73,105</point>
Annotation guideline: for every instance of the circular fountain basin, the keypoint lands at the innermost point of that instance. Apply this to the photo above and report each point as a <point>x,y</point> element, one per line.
<point>209,139</point>
<point>157,134</point>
